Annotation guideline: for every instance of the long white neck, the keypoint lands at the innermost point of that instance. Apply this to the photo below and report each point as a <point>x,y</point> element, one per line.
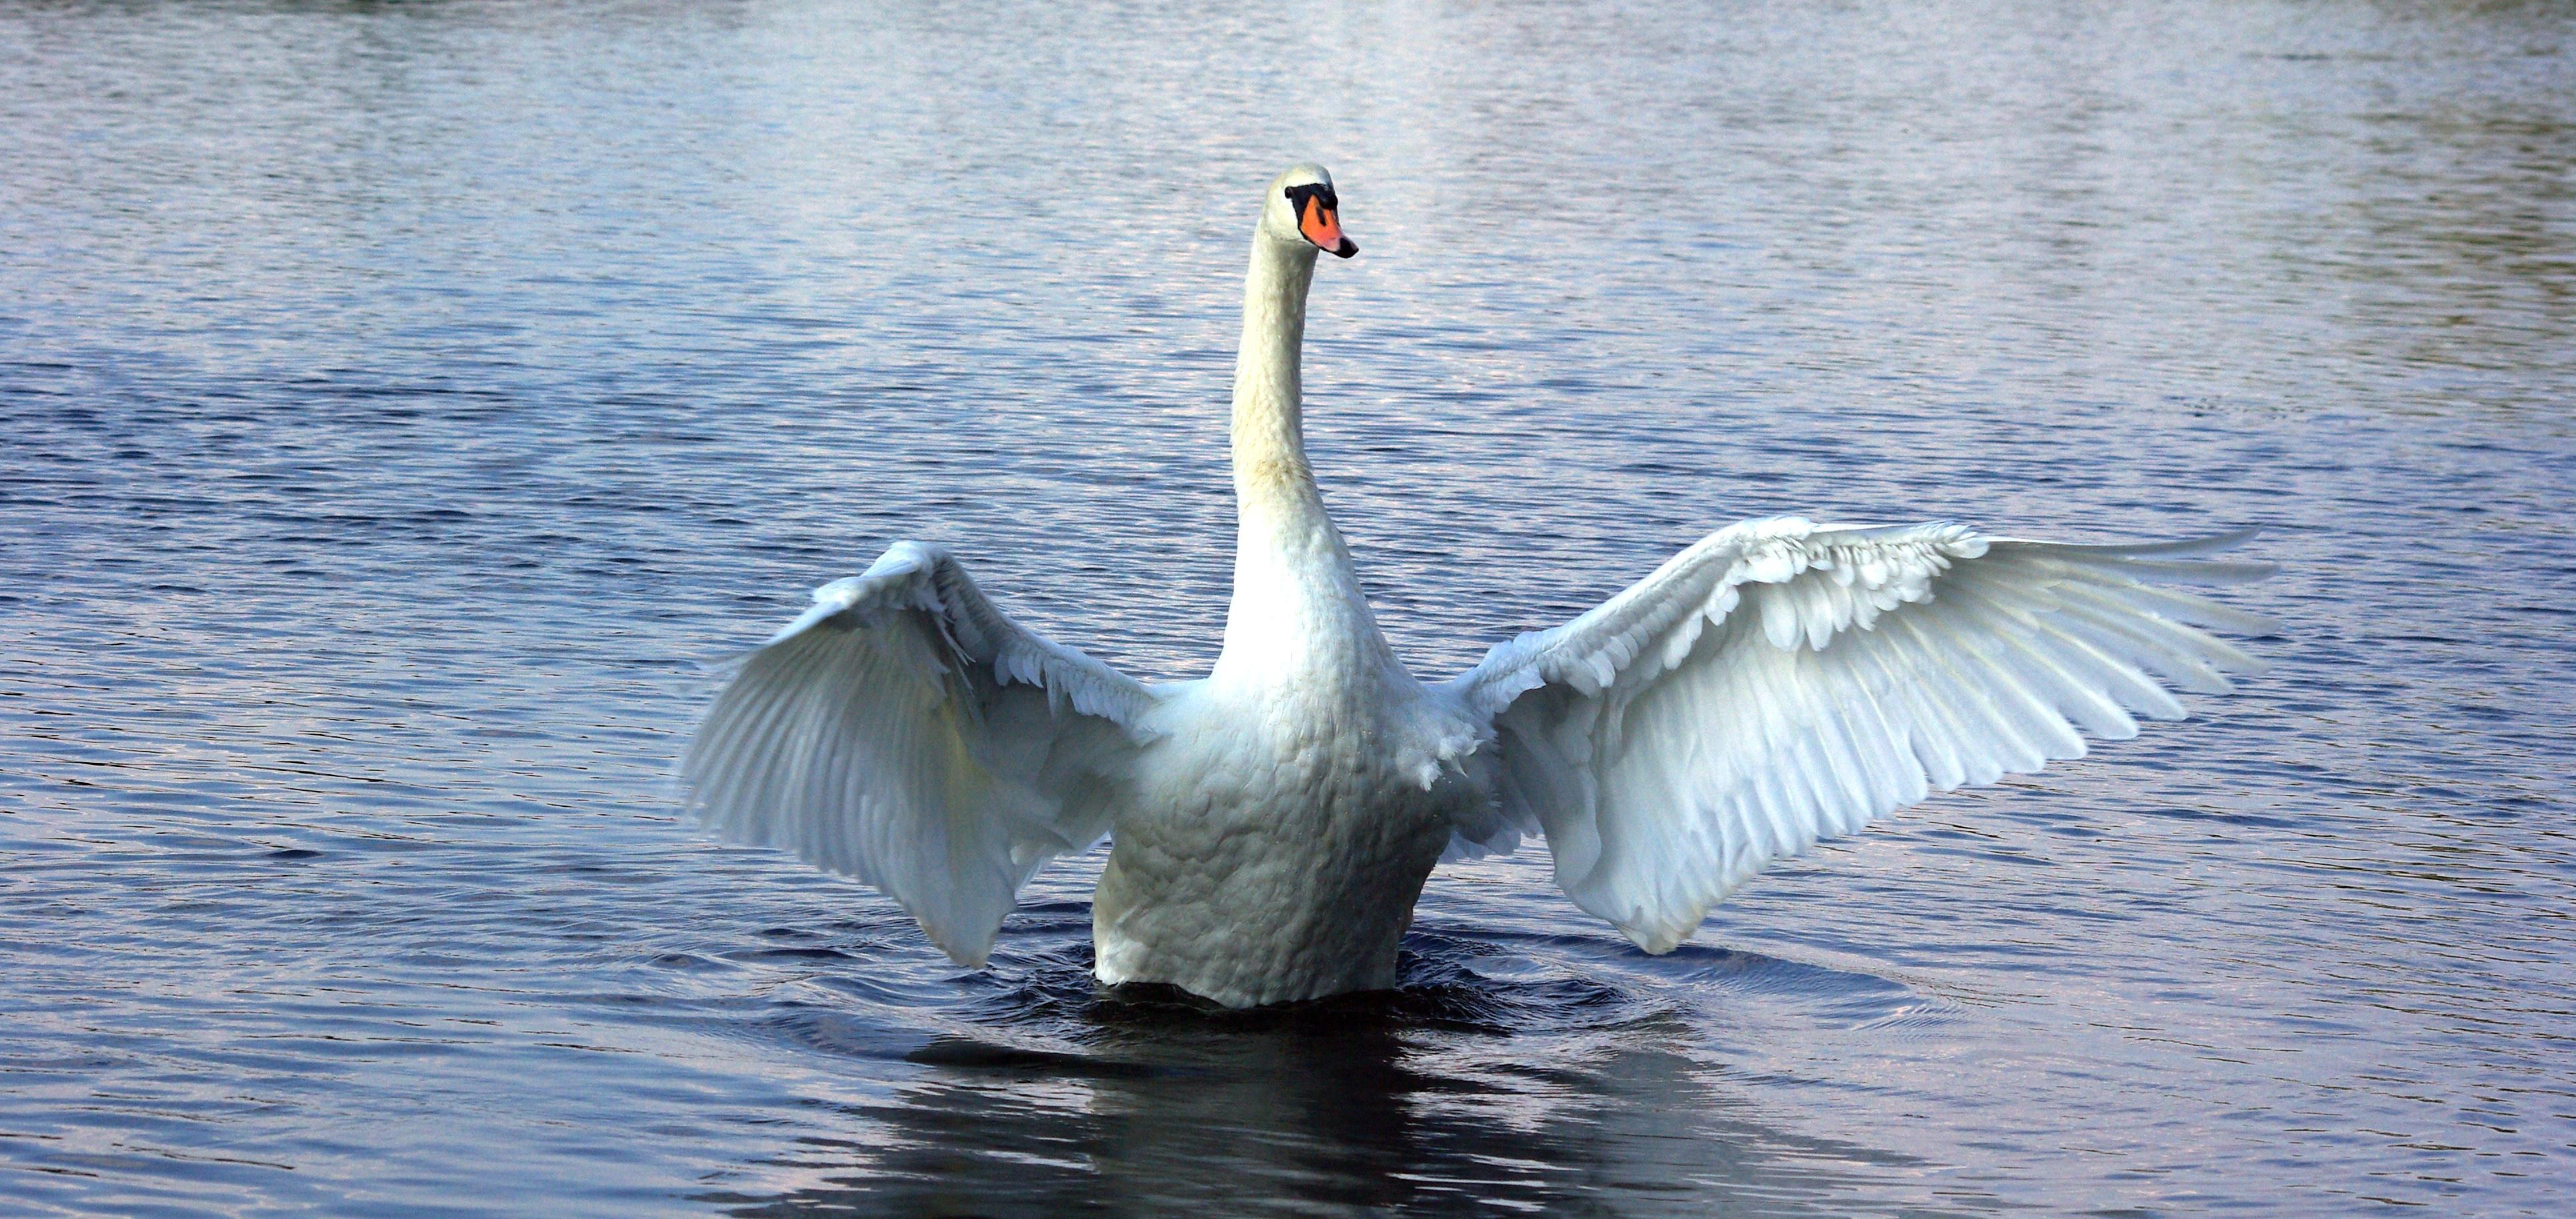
<point>1297,602</point>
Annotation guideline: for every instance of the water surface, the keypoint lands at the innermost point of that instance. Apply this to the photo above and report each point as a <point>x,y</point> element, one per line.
<point>407,402</point>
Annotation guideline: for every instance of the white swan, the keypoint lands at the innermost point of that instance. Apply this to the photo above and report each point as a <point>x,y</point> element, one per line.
<point>1779,682</point>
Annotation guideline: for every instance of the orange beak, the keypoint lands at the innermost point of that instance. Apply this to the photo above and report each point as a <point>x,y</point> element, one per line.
<point>1322,227</point>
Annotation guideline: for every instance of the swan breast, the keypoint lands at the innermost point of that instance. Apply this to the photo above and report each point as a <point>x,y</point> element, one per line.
<point>1276,847</point>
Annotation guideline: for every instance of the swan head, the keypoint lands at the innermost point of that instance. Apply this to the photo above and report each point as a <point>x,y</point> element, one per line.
<point>1302,208</point>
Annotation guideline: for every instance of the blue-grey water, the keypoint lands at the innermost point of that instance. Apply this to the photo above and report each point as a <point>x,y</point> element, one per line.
<point>406,404</point>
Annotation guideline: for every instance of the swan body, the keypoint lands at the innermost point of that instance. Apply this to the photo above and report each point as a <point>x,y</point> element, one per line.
<point>1280,841</point>
<point>1273,823</point>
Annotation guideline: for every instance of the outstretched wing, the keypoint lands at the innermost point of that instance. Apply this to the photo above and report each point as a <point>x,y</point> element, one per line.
<point>906,732</point>
<point>1783,681</point>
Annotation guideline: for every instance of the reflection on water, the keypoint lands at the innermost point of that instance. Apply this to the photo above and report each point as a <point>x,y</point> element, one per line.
<point>406,401</point>
<point>1455,1095</point>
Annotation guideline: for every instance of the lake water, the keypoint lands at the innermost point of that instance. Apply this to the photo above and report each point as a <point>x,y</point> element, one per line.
<point>406,402</point>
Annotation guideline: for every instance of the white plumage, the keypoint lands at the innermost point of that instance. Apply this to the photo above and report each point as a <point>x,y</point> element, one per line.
<point>1778,683</point>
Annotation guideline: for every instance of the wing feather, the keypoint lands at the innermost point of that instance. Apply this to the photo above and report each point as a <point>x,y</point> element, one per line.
<point>1782,681</point>
<point>905,731</point>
